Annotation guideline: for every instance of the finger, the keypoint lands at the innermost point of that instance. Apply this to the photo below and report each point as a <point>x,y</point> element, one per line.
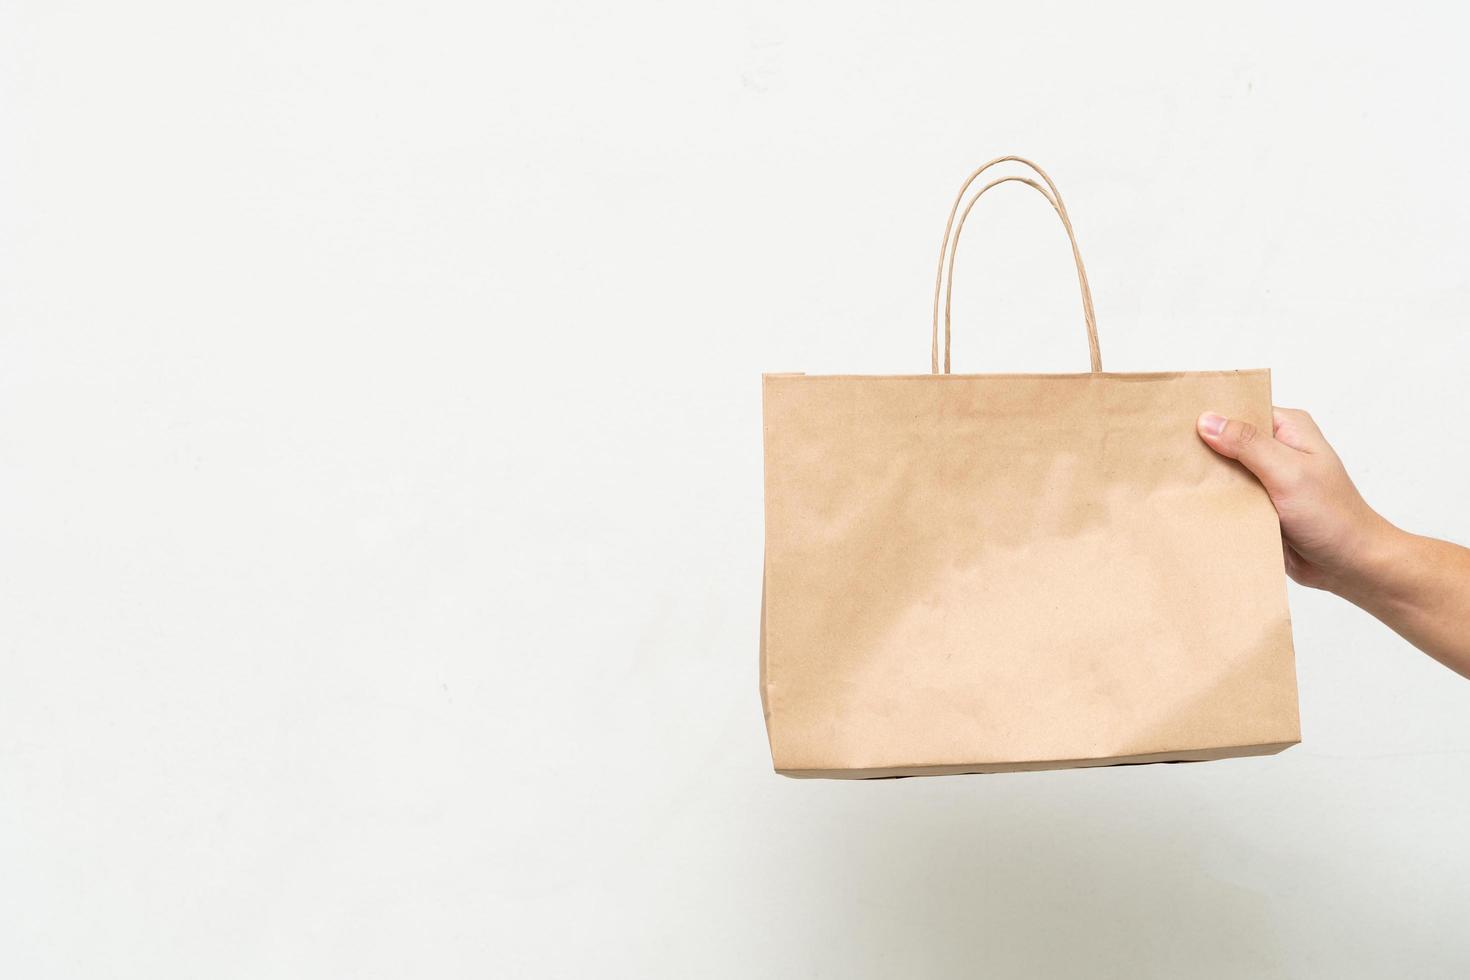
<point>1272,462</point>
<point>1297,429</point>
<point>1302,572</point>
<point>1289,559</point>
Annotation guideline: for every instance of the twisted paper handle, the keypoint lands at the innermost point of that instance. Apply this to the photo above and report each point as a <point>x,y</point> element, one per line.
<point>944,276</point>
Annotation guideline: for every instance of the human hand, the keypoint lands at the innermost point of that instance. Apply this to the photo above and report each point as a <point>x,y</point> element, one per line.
<point>1329,533</point>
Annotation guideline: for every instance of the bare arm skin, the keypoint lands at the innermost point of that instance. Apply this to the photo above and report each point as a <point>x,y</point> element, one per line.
<point>1419,587</point>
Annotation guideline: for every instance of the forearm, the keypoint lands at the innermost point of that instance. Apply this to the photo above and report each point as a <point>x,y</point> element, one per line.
<point>1420,588</point>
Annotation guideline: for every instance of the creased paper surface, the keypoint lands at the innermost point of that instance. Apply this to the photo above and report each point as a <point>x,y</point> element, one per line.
<point>969,573</point>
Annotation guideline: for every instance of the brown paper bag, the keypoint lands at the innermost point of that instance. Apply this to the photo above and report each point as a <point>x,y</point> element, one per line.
<point>983,573</point>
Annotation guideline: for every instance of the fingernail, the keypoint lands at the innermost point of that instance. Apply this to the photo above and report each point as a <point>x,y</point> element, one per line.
<point>1211,424</point>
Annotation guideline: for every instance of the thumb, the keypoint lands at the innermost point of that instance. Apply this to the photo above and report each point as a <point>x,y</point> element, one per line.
<point>1256,450</point>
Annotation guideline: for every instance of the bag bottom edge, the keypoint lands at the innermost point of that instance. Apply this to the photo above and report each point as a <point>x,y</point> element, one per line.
<point>982,768</point>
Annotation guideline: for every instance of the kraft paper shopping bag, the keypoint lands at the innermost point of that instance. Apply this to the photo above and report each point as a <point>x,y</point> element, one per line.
<point>982,573</point>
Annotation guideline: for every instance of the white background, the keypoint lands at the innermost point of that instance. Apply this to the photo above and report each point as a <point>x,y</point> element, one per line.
<point>380,477</point>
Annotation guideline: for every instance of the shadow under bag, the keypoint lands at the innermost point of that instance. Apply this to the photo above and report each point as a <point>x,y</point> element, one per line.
<point>985,573</point>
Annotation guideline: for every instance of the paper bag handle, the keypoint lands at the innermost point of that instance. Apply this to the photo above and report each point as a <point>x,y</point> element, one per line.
<point>949,248</point>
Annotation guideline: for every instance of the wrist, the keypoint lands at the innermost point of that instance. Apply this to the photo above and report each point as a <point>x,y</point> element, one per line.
<point>1378,568</point>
